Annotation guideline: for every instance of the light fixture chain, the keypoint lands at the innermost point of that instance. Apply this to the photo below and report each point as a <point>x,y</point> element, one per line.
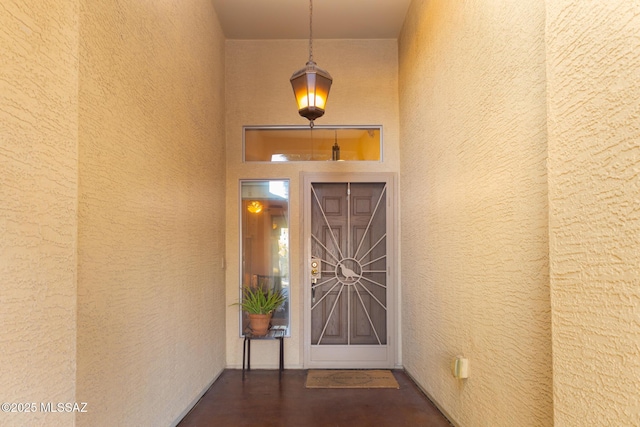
<point>310,30</point>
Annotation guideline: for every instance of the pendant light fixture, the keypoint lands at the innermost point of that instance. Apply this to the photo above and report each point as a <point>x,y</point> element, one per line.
<point>335,150</point>
<point>255,207</point>
<point>311,84</point>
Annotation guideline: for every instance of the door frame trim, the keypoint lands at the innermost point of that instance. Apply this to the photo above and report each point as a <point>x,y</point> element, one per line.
<point>392,358</point>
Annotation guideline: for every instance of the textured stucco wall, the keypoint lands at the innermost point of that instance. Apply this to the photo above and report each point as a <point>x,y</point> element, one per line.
<point>151,229</point>
<point>474,208</point>
<point>594,195</point>
<point>258,92</point>
<point>38,199</point>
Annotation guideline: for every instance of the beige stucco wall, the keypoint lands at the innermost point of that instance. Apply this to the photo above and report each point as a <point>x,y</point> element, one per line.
<point>594,193</point>
<point>258,92</point>
<point>151,306</point>
<point>474,209</point>
<point>38,199</point>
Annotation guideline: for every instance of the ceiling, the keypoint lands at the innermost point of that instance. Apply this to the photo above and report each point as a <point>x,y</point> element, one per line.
<point>332,19</point>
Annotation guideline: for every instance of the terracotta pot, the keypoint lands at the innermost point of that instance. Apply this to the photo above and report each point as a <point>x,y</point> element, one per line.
<point>259,324</point>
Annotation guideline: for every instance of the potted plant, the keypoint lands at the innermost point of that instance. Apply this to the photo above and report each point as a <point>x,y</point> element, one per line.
<point>260,305</point>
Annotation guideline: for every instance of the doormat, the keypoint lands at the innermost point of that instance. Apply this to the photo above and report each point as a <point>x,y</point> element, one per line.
<point>320,378</point>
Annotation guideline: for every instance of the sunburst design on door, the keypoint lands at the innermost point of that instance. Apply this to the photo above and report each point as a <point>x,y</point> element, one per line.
<point>352,248</point>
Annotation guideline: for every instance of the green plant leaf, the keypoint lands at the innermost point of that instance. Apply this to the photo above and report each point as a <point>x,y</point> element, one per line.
<point>257,301</point>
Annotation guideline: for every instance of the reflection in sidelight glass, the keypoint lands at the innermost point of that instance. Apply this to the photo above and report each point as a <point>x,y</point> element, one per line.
<point>322,143</point>
<point>265,242</point>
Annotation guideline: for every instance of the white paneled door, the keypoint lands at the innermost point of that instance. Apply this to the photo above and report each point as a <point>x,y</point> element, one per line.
<point>349,286</point>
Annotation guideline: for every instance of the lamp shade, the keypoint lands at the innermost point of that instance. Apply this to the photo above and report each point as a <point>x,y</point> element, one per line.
<point>255,207</point>
<point>311,88</point>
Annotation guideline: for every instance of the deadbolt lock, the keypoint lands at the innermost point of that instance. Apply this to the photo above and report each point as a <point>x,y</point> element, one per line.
<point>315,268</point>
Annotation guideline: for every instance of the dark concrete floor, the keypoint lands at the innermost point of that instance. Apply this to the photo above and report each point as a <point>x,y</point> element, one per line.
<point>263,399</point>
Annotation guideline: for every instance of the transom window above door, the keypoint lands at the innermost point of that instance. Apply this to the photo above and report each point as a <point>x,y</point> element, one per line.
<point>320,143</point>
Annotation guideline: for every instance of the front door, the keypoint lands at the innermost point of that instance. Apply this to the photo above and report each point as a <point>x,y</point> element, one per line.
<point>349,288</point>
